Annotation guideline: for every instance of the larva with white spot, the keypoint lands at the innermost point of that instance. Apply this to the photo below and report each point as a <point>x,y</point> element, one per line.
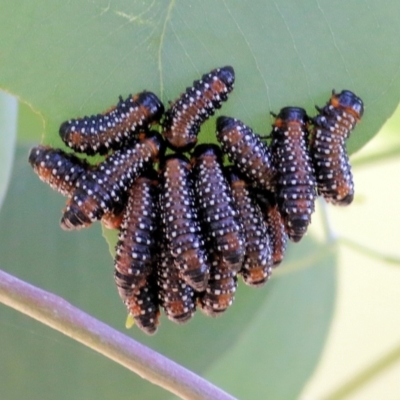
<point>273,220</point>
<point>218,213</point>
<point>114,128</point>
<point>180,221</point>
<point>144,306</point>
<point>245,149</point>
<point>57,168</point>
<point>61,171</point>
<point>135,252</point>
<point>176,297</point>
<point>183,119</point>
<point>257,264</point>
<point>332,126</point>
<point>221,287</point>
<point>105,188</point>
<point>295,177</point>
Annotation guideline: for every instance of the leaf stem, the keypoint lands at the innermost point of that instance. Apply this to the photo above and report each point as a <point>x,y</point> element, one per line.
<point>330,233</point>
<point>57,313</point>
<point>369,252</point>
<point>377,157</point>
<point>365,376</point>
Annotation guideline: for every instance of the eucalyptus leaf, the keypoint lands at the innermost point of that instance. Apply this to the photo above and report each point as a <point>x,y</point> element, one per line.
<point>70,59</point>
<point>78,267</point>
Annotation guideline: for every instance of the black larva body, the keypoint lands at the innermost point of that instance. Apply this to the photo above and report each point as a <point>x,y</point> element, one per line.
<point>331,128</point>
<point>274,223</point>
<point>221,287</point>
<point>180,221</point>
<point>144,306</point>
<point>277,234</point>
<point>62,171</point>
<point>114,128</point>
<point>257,264</point>
<point>136,247</point>
<point>245,149</point>
<point>57,168</point>
<point>295,180</point>
<point>183,120</point>
<point>216,206</point>
<point>104,189</point>
<point>176,297</point>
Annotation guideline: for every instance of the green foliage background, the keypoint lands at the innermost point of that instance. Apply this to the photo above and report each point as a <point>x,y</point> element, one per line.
<point>67,59</point>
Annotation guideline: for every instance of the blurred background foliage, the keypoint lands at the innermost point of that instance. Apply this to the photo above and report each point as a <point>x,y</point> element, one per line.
<point>326,325</point>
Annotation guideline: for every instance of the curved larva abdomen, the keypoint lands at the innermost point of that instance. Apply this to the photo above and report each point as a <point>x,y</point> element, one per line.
<point>144,306</point>
<point>61,171</point>
<point>257,264</point>
<point>274,222</point>
<point>114,128</point>
<point>221,287</point>
<point>246,151</point>
<point>332,126</point>
<point>57,168</point>
<point>135,252</point>
<point>295,180</point>
<point>176,297</point>
<point>105,188</point>
<point>217,210</point>
<point>180,222</point>
<point>183,119</point>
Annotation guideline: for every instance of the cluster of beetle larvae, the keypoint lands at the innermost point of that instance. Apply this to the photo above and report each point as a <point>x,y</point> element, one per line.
<point>189,228</point>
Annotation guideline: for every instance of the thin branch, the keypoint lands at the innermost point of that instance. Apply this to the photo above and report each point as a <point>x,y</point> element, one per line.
<point>62,316</point>
<point>366,375</point>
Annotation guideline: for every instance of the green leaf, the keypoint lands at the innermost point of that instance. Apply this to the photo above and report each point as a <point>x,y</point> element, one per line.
<point>68,59</point>
<point>8,133</point>
<point>30,125</point>
<point>295,307</point>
